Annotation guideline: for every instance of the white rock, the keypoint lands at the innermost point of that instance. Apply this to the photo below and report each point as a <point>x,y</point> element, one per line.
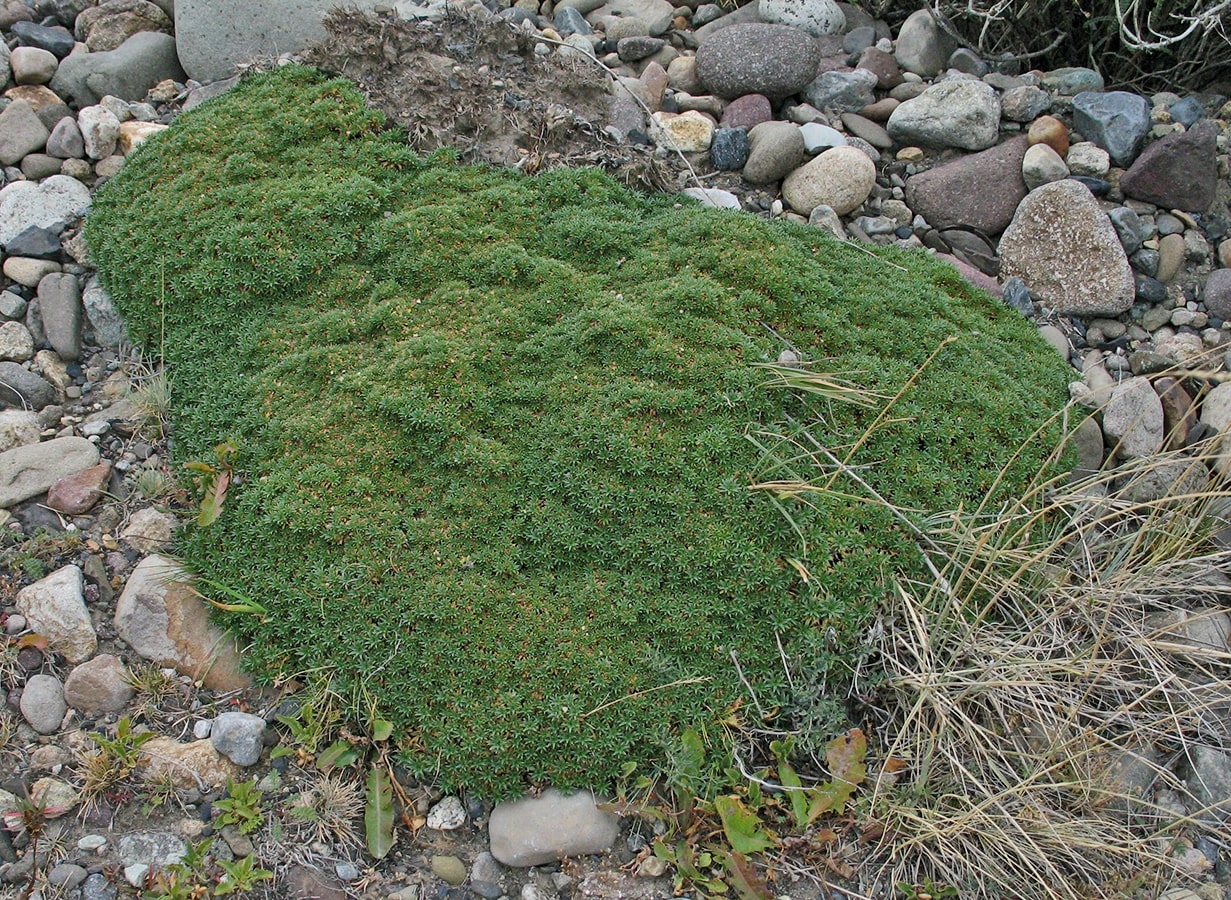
<point>1088,159</point>
<point>23,204</point>
<point>1133,419</point>
<point>100,130</point>
<point>447,815</point>
<point>55,607</point>
<point>821,137</point>
<point>18,427</point>
<point>537,830</point>
<point>1042,165</point>
<point>817,17</point>
<point>713,197</point>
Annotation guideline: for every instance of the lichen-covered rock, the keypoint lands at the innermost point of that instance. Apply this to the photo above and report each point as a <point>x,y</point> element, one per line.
<point>1063,246</point>
<point>963,114</point>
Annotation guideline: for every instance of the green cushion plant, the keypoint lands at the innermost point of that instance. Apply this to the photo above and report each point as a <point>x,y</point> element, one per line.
<point>497,435</point>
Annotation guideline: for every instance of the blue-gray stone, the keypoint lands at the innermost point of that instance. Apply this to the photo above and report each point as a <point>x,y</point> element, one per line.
<point>237,736</point>
<point>1128,228</point>
<point>1072,80</point>
<point>570,21</point>
<point>1017,295</point>
<point>1150,290</point>
<point>127,72</point>
<point>56,39</point>
<point>1117,121</point>
<point>36,243</point>
<point>97,887</point>
<point>1096,186</point>
<point>1187,111</point>
<point>842,91</point>
<point>859,39</point>
<point>729,148</point>
<point>966,60</point>
<point>12,306</point>
<point>1145,261</point>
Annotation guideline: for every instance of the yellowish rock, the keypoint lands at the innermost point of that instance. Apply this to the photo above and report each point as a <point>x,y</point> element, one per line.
<point>688,132</point>
<point>134,133</point>
<point>193,765</point>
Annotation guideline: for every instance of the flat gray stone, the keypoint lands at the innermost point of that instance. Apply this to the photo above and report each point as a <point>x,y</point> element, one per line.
<point>65,141</point>
<point>105,320</point>
<point>59,299</point>
<point>1133,419</point>
<point>127,72</point>
<point>775,149</point>
<point>54,606</point>
<point>26,472</point>
<point>842,92</point>
<point>537,830</point>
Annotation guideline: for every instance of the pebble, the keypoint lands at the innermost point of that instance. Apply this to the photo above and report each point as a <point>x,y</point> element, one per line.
<point>532,831</point>
<point>447,815</point>
<point>42,703</point>
<point>449,869</point>
<point>238,736</point>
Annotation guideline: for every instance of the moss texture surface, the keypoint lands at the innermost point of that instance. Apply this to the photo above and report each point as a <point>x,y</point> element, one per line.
<point>494,459</point>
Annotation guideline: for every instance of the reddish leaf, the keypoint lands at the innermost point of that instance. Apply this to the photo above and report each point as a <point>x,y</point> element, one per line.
<point>746,880</point>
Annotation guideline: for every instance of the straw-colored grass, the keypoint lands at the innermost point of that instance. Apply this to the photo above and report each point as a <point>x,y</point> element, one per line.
<point>1042,694</point>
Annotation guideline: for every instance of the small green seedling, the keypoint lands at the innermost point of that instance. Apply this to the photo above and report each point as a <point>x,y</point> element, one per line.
<point>241,807</point>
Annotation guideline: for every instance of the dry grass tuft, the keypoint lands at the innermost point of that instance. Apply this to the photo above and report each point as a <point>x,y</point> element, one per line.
<point>1044,690</point>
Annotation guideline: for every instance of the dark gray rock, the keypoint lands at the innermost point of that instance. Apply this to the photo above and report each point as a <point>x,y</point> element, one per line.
<point>966,60</point>
<point>1149,290</point>
<point>1117,121</point>
<point>570,21</point>
<point>97,887</point>
<point>54,39</point>
<point>981,190</point>
<point>127,72</point>
<point>1017,295</point>
<point>637,47</point>
<point>36,242</point>
<point>729,148</point>
<point>23,389</point>
<point>774,60</point>
<point>1179,171</point>
<point>65,141</point>
<point>1128,227</point>
<point>1146,261</point>
<point>859,39</point>
<point>1187,112</point>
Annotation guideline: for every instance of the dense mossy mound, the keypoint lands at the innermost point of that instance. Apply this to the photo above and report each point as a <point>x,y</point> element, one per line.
<point>494,431</point>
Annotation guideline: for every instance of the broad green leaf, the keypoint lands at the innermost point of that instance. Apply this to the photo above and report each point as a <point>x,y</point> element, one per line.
<point>382,729</point>
<point>339,753</point>
<point>799,797</point>
<point>378,816</point>
<point>743,829</point>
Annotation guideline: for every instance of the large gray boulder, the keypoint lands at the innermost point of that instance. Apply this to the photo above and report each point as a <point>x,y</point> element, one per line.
<point>127,72</point>
<point>214,36</point>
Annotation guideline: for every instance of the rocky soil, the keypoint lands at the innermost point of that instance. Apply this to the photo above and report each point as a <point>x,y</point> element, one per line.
<point>1102,214</point>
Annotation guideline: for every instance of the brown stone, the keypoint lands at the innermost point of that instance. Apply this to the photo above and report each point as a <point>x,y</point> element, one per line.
<point>1179,413</point>
<point>881,64</point>
<point>1050,131</point>
<point>973,276</point>
<point>98,685</point>
<point>1179,171</point>
<point>75,495</point>
<point>747,111</point>
<point>195,765</point>
<point>881,110</point>
<point>45,102</point>
<point>981,190</point>
<point>107,26</point>
<point>164,620</point>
